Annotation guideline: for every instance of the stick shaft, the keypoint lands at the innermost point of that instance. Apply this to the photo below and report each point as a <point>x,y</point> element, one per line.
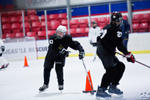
<point>87,74</point>
<point>135,60</point>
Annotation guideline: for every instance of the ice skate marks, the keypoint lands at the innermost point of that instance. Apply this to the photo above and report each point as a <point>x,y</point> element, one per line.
<point>47,94</point>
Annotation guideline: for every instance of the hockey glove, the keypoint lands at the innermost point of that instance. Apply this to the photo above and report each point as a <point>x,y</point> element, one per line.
<point>130,57</point>
<point>64,53</point>
<point>93,44</point>
<point>81,54</point>
<point>0,54</point>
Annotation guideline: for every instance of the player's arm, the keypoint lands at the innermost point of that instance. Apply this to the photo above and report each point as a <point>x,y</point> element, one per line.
<point>76,46</point>
<point>51,42</point>
<point>90,35</point>
<point>128,26</point>
<point>130,57</point>
<point>121,47</point>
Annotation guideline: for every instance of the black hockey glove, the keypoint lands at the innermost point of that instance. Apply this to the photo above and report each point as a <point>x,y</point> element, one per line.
<point>64,53</point>
<point>0,54</point>
<point>130,57</point>
<point>93,44</point>
<point>3,48</point>
<point>81,54</point>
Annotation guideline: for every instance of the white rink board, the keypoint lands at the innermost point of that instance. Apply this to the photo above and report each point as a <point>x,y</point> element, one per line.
<point>42,47</point>
<point>18,50</point>
<point>137,42</point>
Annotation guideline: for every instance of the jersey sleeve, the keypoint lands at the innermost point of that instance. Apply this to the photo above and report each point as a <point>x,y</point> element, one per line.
<point>51,42</point>
<point>75,44</point>
<point>121,48</point>
<point>90,34</point>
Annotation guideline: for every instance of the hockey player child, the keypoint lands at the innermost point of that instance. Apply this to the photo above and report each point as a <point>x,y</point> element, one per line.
<point>93,33</point>
<point>58,43</point>
<point>108,41</point>
<point>3,62</point>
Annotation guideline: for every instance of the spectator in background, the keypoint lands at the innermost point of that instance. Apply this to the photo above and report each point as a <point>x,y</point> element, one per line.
<point>93,33</point>
<point>3,62</point>
<point>125,27</point>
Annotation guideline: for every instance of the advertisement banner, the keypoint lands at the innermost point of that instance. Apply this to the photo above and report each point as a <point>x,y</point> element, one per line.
<point>18,50</point>
<point>42,47</point>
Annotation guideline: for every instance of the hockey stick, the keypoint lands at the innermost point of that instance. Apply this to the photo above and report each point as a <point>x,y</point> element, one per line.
<point>92,92</point>
<point>135,60</point>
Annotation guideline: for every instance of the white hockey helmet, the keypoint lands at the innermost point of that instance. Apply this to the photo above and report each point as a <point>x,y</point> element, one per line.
<point>62,29</point>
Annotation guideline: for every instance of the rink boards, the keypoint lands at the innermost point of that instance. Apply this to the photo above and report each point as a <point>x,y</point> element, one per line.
<point>138,44</point>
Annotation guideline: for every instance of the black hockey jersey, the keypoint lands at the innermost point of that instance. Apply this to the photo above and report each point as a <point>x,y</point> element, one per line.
<point>111,38</point>
<point>56,45</point>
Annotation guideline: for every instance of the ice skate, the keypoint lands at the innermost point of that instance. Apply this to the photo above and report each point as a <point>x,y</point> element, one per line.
<point>60,87</point>
<point>114,90</point>
<point>4,66</point>
<point>101,92</point>
<point>43,88</point>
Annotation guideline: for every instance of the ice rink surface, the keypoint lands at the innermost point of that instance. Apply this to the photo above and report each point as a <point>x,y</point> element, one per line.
<point>22,83</point>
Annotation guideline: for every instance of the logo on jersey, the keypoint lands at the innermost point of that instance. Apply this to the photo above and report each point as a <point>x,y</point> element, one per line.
<point>119,34</point>
<point>60,47</point>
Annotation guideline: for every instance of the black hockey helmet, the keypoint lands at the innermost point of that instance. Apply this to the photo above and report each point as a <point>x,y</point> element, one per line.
<point>116,16</point>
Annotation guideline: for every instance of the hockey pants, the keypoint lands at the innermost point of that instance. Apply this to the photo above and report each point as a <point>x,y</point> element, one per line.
<point>48,65</point>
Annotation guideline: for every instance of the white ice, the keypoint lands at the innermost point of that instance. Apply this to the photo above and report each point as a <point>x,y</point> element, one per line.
<point>22,83</point>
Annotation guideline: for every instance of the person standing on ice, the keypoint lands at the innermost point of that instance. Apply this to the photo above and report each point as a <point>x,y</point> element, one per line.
<point>3,62</point>
<point>57,52</point>
<point>108,41</point>
<point>93,33</point>
<point>125,27</point>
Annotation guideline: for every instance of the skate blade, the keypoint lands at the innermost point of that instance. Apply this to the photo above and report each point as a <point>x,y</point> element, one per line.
<point>4,68</point>
<point>116,96</point>
<point>42,91</point>
<point>101,98</point>
<point>60,91</point>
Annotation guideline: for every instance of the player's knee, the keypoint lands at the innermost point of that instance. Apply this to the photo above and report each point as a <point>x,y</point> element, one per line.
<point>47,66</point>
<point>59,67</point>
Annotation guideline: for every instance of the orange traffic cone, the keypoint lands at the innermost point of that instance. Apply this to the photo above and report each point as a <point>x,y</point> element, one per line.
<point>89,84</point>
<point>25,62</point>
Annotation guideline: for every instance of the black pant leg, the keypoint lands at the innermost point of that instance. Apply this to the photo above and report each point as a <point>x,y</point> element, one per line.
<point>48,65</point>
<point>117,73</point>
<point>109,62</point>
<point>106,79</point>
<point>59,71</point>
